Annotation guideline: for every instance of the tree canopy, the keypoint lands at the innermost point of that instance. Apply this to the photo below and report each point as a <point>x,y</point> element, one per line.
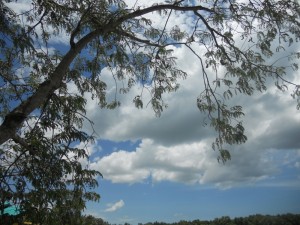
<point>42,168</point>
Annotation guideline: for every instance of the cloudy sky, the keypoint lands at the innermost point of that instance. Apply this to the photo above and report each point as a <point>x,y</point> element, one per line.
<point>163,168</point>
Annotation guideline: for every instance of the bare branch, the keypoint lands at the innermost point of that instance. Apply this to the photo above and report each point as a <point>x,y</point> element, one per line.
<point>155,8</point>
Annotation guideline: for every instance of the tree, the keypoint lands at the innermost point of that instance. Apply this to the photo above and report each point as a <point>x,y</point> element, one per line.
<point>225,220</point>
<point>42,120</point>
<point>91,220</point>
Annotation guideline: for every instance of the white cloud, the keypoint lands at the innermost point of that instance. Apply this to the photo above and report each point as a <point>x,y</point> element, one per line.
<point>19,6</point>
<point>193,163</point>
<point>181,116</point>
<point>118,167</point>
<point>176,146</point>
<point>90,147</point>
<point>115,206</point>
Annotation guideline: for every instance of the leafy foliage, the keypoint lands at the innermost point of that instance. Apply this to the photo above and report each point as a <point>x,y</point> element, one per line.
<point>42,118</point>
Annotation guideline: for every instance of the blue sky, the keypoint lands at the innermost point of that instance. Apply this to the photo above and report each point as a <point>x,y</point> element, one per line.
<point>164,169</point>
<point>171,202</point>
<point>167,201</point>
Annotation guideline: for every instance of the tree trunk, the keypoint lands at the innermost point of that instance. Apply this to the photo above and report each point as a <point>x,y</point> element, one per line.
<point>14,119</point>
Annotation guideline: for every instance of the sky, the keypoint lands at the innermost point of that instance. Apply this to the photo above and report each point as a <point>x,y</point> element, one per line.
<point>164,169</point>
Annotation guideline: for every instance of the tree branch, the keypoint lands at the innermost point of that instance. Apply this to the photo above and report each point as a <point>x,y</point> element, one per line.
<point>17,116</point>
<point>147,42</point>
<point>13,120</point>
<point>154,8</point>
<point>134,38</point>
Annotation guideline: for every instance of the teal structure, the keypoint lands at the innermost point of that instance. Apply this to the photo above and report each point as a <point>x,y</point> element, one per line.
<point>11,210</point>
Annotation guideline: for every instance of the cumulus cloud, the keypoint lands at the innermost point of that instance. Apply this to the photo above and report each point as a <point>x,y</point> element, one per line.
<point>181,116</point>
<point>112,207</point>
<point>20,6</point>
<point>192,163</point>
<point>177,146</point>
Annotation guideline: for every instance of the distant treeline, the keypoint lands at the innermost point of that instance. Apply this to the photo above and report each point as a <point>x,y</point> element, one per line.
<point>284,219</point>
